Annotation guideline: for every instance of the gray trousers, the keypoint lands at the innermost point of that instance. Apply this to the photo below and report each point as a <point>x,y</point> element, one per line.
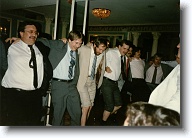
<point>65,95</point>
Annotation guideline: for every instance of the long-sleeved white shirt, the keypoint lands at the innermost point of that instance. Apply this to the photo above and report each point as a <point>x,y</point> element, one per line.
<point>113,61</point>
<point>19,74</point>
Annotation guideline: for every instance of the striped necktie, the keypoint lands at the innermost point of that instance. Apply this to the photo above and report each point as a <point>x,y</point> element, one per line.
<point>93,67</point>
<point>72,63</point>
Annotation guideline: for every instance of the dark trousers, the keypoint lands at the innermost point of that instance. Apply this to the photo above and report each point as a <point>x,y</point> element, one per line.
<point>65,96</point>
<point>111,94</point>
<point>126,89</point>
<point>23,108</point>
<point>138,88</point>
<point>152,86</point>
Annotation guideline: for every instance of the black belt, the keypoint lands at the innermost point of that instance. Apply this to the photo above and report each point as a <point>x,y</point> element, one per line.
<point>138,78</point>
<point>61,80</point>
<point>152,83</point>
<point>109,79</point>
<point>21,90</point>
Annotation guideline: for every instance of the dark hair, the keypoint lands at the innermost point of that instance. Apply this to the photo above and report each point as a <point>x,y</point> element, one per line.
<point>157,55</point>
<point>135,49</point>
<point>145,114</point>
<point>75,35</point>
<point>127,42</point>
<point>23,24</point>
<point>101,41</point>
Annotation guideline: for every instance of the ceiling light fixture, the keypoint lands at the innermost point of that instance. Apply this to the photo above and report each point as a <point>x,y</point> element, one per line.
<point>101,13</point>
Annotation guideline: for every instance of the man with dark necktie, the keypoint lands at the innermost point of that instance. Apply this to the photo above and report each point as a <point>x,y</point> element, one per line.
<point>109,88</point>
<point>126,88</point>
<point>124,65</point>
<point>157,72</point>
<point>23,79</point>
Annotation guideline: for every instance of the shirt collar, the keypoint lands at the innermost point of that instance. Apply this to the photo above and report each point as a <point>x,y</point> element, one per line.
<point>155,65</point>
<point>118,52</point>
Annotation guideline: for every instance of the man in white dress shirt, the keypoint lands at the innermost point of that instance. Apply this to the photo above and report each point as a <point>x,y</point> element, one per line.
<point>109,88</point>
<point>23,97</point>
<point>167,94</point>
<point>162,70</point>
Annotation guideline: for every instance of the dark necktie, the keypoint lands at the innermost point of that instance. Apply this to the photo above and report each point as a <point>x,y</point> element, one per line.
<point>122,69</point>
<point>128,71</point>
<point>72,63</point>
<point>154,75</point>
<point>93,67</point>
<point>34,66</point>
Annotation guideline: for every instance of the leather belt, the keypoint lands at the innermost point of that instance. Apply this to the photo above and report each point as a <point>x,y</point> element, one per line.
<point>109,79</point>
<point>21,90</point>
<point>61,80</point>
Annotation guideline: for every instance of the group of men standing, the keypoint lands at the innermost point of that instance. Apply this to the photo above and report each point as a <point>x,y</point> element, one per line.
<point>75,72</point>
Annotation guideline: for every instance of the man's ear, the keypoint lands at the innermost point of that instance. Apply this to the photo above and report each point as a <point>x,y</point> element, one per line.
<point>94,45</point>
<point>21,34</point>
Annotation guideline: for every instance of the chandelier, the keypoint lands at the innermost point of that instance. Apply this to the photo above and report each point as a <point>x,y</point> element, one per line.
<point>101,12</point>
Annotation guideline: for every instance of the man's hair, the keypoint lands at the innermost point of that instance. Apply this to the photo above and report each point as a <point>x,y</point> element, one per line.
<point>135,49</point>
<point>73,35</point>
<point>23,24</point>
<point>157,55</point>
<point>127,42</point>
<point>145,114</point>
<point>101,41</point>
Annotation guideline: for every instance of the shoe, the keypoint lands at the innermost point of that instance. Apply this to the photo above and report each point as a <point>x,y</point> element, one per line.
<point>103,123</point>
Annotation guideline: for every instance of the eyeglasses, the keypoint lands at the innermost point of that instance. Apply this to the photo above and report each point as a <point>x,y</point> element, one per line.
<point>31,32</point>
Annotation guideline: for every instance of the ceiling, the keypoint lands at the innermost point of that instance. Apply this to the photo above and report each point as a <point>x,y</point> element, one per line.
<point>123,12</point>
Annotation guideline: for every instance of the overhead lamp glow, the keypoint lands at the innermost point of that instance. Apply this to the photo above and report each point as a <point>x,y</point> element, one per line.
<point>101,13</point>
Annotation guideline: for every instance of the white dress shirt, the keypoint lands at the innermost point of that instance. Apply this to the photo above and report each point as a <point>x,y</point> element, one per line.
<point>19,74</point>
<point>137,68</point>
<point>150,72</point>
<point>113,61</point>
<point>62,69</point>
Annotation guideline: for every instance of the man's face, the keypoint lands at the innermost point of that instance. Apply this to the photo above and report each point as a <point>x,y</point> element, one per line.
<point>123,49</point>
<point>129,53</point>
<point>29,35</point>
<point>157,61</point>
<point>100,49</point>
<point>75,44</point>
<point>137,54</point>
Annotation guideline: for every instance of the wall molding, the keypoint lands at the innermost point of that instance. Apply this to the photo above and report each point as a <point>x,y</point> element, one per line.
<point>138,28</point>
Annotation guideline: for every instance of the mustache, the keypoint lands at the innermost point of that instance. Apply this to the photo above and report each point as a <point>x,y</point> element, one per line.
<point>33,37</point>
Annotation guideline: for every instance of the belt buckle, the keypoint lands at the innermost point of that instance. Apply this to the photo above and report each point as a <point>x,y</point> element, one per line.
<point>17,89</point>
<point>69,80</point>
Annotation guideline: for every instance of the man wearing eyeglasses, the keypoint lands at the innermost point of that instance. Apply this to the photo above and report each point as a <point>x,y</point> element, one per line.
<point>23,79</point>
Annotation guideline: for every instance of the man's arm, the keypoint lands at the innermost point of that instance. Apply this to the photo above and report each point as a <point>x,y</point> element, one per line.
<point>51,43</point>
<point>3,58</point>
<point>174,102</point>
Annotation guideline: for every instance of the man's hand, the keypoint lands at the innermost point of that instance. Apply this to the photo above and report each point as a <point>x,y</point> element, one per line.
<point>89,44</point>
<point>15,39</point>
<point>64,40</point>
<point>108,70</point>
